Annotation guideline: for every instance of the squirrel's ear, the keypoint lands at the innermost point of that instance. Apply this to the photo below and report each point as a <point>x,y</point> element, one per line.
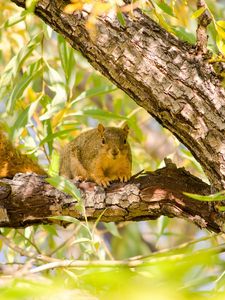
<point>101,128</point>
<point>126,128</point>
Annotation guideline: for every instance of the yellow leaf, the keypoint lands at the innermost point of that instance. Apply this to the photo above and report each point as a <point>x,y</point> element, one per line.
<point>220,44</point>
<point>198,13</point>
<point>58,117</point>
<point>70,8</point>
<point>101,8</point>
<point>221,23</point>
<point>220,30</point>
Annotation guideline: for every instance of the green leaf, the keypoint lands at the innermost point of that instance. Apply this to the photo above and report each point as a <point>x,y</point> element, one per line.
<point>81,240</point>
<point>49,132</point>
<point>52,136</point>
<point>34,71</point>
<point>112,228</point>
<point>53,169</point>
<point>52,109</point>
<point>221,208</point>
<point>163,224</point>
<point>97,91</point>
<point>215,197</point>
<point>11,71</point>
<point>65,186</point>
<point>24,118</point>
<point>14,20</point>
<point>198,13</point>
<point>102,114</point>
<point>30,5</point>
<point>184,35</point>
<point>121,19</point>
<point>166,8</point>
<point>68,61</point>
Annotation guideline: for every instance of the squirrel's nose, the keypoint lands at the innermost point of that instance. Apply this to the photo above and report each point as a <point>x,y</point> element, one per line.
<point>114,152</point>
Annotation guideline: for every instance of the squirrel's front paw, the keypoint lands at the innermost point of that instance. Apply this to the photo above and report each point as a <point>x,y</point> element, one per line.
<point>103,181</point>
<point>124,178</point>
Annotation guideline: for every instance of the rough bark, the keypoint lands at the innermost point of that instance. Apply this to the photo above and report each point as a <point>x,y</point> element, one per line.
<point>161,73</point>
<point>28,199</point>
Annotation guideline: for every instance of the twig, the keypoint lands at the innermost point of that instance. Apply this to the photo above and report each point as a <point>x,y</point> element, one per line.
<point>178,248</point>
<point>29,241</point>
<point>66,242</point>
<point>201,34</point>
<point>125,263</point>
<point>26,253</point>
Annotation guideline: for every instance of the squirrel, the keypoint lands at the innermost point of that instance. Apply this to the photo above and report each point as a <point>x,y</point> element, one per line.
<point>12,161</point>
<point>101,155</point>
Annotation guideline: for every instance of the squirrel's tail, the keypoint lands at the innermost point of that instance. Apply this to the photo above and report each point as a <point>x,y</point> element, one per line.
<point>12,161</point>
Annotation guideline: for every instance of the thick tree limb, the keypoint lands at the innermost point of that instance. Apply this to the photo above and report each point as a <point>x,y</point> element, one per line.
<point>161,73</point>
<point>28,199</point>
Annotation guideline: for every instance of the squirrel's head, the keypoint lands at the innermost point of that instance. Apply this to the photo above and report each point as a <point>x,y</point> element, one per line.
<point>114,141</point>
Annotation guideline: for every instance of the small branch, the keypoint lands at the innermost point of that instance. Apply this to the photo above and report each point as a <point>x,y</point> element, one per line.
<point>32,200</point>
<point>124,263</point>
<point>201,34</point>
<point>26,253</point>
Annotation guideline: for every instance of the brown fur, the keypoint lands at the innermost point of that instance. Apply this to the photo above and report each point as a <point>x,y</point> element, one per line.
<point>12,161</point>
<point>100,154</point>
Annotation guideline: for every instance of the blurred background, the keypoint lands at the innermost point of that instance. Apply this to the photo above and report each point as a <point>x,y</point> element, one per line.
<point>49,93</point>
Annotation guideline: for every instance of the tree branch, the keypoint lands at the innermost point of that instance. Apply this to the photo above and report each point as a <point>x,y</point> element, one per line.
<point>160,72</point>
<point>28,199</point>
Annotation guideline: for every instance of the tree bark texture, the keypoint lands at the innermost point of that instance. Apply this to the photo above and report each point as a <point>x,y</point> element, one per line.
<point>161,73</point>
<point>28,199</point>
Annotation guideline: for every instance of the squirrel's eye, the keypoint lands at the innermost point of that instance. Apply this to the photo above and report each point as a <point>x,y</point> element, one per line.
<point>103,141</point>
<point>124,141</point>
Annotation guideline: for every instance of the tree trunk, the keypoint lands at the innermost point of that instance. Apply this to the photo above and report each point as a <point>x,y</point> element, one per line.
<point>161,73</point>
<point>28,199</point>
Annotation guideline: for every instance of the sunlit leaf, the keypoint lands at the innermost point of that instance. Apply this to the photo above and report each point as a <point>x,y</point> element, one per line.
<point>53,169</point>
<point>25,116</point>
<point>30,5</point>
<point>166,8</point>
<point>220,29</point>
<point>34,71</point>
<point>14,66</point>
<point>112,228</point>
<point>184,35</point>
<point>70,8</point>
<point>52,136</point>
<point>198,13</point>
<point>68,61</point>
<point>14,20</point>
<point>220,44</point>
<point>102,114</point>
<point>96,91</point>
<point>221,23</point>
<point>66,219</point>
<point>121,18</point>
<point>65,186</point>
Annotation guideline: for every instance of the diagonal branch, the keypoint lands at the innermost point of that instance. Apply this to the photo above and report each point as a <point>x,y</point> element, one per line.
<point>28,199</point>
<point>160,72</point>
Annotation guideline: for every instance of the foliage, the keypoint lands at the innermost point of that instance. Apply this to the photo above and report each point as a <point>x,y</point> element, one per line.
<point>49,93</point>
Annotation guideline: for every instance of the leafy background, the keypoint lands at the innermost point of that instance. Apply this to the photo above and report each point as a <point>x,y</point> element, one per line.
<point>48,94</point>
